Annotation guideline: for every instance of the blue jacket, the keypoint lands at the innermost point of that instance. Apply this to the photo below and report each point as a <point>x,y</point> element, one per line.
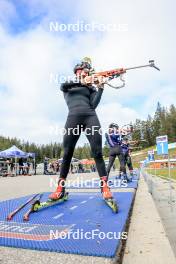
<point>113,139</point>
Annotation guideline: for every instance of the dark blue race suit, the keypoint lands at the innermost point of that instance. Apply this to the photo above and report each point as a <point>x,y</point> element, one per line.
<point>114,140</point>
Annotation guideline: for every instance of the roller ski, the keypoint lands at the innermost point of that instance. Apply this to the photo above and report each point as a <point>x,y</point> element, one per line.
<point>107,195</point>
<point>38,205</point>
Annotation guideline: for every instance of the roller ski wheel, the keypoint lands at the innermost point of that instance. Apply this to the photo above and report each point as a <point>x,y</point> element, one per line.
<point>38,205</point>
<point>112,204</point>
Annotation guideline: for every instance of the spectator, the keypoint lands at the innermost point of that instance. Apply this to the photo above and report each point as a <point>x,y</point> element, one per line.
<point>21,168</point>
<point>28,167</point>
<point>46,165</point>
<point>71,168</point>
<point>80,168</point>
<point>57,166</point>
<point>12,165</point>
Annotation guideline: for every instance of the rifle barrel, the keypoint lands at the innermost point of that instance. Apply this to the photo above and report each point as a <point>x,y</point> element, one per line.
<point>151,64</point>
<point>137,67</point>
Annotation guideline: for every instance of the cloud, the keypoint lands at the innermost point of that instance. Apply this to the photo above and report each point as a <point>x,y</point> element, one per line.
<point>29,101</point>
<point>31,104</point>
<point>115,112</point>
<point>8,12</point>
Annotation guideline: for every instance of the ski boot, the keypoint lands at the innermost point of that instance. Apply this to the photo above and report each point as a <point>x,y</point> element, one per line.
<point>107,195</point>
<point>60,191</point>
<point>119,176</point>
<point>126,178</point>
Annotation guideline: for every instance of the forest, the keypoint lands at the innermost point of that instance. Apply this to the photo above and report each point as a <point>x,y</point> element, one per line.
<point>163,122</point>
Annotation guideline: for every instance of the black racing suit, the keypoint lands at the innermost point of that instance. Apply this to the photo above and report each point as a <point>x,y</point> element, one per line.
<point>126,152</point>
<point>82,101</point>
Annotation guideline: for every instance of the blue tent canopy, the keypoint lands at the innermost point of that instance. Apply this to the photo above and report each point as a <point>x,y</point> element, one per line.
<point>13,152</point>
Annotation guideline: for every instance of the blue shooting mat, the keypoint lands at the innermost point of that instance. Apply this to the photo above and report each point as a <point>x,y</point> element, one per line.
<point>83,213</point>
<point>114,182</point>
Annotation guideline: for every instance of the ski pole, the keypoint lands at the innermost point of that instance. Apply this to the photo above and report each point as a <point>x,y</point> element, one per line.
<point>11,215</point>
<point>31,210</point>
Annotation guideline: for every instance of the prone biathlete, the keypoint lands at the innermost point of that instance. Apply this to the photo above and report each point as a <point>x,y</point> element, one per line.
<point>82,100</point>
<point>114,140</point>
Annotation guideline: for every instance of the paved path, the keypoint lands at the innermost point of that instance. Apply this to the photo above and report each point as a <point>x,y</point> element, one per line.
<point>164,195</point>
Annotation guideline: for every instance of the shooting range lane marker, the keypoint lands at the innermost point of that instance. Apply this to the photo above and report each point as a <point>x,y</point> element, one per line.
<point>58,216</point>
<point>73,207</point>
<point>83,202</point>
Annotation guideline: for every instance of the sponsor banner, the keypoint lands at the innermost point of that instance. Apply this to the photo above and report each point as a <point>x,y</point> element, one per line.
<point>31,231</point>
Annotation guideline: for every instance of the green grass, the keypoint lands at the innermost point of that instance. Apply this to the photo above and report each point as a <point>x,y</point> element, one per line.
<point>144,153</point>
<point>163,172</point>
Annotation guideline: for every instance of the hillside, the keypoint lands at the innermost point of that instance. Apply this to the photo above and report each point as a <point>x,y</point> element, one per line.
<point>137,156</point>
<point>141,155</point>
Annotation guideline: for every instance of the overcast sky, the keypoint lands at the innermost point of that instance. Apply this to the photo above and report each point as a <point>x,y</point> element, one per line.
<point>32,105</point>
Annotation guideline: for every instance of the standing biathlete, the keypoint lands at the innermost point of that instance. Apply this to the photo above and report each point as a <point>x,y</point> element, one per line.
<point>114,140</point>
<point>126,151</point>
<point>82,100</point>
